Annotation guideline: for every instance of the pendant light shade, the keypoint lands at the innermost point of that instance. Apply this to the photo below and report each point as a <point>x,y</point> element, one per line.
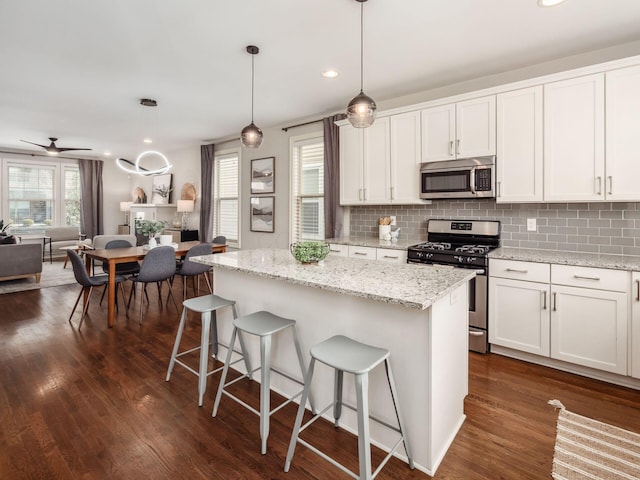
<point>251,136</point>
<point>361,111</point>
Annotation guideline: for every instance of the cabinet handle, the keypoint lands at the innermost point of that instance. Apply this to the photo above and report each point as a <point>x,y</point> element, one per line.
<point>390,256</point>
<point>610,178</point>
<point>360,194</point>
<point>544,305</point>
<point>451,147</point>
<point>599,188</point>
<point>638,290</point>
<point>499,185</point>
<point>554,302</point>
<point>334,250</point>
<point>364,194</point>
<point>458,147</point>
<point>359,253</point>
<point>392,192</point>
<point>580,277</point>
<point>517,271</point>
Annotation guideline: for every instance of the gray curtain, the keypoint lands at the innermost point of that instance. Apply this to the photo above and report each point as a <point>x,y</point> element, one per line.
<point>206,196</point>
<point>91,197</point>
<point>333,214</point>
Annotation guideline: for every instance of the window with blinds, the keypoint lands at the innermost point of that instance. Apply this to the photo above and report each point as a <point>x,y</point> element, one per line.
<point>307,188</point>
<point>226,204</point>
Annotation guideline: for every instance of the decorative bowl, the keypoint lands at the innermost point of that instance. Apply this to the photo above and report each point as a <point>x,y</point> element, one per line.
<point>310,251</point>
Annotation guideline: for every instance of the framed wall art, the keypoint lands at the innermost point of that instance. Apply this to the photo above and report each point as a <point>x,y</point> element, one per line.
<point>161,192</point>
<point>262,214</point>
<point>263,175</point>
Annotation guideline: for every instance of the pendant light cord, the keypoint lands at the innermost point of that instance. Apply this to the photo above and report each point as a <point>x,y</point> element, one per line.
<point>252,81</point>
<point>361,46</point>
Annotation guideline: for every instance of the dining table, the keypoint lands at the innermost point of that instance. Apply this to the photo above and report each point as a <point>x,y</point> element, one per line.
<point>114,256</point>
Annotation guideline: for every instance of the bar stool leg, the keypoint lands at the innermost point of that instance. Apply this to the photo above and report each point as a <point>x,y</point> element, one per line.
<point>265,382</point>
<point>176,345</point>
<point>204,355</point>
<point>303,369</point>
<point>364,449</point>
<point>337,396</point>
<point>394,397</point>
<point>214,334</point>
<point>225,370</point>
<point>243,349</point>
<point>298,422</point>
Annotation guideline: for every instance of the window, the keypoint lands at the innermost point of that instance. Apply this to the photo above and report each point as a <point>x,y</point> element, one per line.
<point>307,187</point>
<point>40,194</point>
<point>226,206</point>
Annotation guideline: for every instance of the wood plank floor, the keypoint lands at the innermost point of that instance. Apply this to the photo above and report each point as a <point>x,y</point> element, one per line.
<point>94,405</point>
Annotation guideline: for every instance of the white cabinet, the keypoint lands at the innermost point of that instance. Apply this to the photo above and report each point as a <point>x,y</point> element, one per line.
<point>519,146</point>
<point>338,250</point>
<point>634,368</point>
<point>391,255</point>
<point>574,139</point>
<point>580,317</point>
<point>460,130</point>
<point>622,120</point>
<point>519,305</point>
<point>405,158</point>
<point>362,252</point>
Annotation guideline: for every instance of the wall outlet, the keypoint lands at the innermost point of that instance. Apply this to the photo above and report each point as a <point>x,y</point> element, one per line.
<point>393,220</point>
<point>531,225</point>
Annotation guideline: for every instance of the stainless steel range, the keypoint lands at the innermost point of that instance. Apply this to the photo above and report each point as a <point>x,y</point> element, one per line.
<point>463,244</point>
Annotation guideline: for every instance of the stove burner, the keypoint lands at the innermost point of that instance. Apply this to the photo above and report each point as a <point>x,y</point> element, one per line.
<point>435,246</point>
<point>473,249</point>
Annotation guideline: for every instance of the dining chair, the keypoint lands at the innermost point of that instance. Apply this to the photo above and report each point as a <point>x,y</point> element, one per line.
<point>88,283</point>
<point>220,239</point>
<point>128,268</point>
<point>192,269</point>
<point>158,266</point>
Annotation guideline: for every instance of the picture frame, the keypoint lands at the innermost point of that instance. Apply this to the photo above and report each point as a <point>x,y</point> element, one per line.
<point>162,183</point>
<point>263,175</point>
<point>262,213</point>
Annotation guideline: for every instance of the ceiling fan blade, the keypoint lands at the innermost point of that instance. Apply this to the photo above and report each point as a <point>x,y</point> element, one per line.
<point>36,144</point>
<point>69,149</point>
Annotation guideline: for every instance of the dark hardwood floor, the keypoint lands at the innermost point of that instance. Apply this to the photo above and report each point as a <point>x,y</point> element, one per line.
<point>94,405</point>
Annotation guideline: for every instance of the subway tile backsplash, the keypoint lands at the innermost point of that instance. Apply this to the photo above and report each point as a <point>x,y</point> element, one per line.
<point>609,227</point>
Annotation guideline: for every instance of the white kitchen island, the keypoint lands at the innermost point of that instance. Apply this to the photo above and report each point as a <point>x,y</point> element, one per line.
<point>418,312</point>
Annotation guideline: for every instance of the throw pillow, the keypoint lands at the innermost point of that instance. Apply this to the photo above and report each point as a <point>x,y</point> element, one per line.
<point>7,240</point>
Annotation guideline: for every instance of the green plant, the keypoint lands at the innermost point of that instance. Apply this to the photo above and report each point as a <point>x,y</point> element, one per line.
<point>27,221</point>
<point>309,252</point>
<point>163,190</point>
<point>150,228</point>
<point>4,226</point>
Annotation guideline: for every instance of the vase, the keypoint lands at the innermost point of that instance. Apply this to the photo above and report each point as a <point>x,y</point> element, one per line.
<point>153,242</point>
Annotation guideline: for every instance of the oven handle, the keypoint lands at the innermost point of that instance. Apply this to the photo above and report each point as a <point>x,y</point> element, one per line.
<point>475,333</point>
<point>472,180</point>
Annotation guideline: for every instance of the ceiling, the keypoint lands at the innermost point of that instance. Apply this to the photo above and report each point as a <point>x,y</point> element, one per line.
<point>76,69</point>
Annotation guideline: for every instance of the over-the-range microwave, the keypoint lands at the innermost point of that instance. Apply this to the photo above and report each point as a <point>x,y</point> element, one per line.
<point>462,178</point>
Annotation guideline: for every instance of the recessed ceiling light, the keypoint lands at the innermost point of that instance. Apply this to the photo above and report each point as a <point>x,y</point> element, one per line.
<point>107,153</point>
<point>330,73</point>
<point>147,140</point>
<point>549,3</point>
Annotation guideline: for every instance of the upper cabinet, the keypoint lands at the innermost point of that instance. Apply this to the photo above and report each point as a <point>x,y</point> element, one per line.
<point>622,121</point>
<point>519,146</point>
<point>380,165</point>
<point>460,130</point>
<point>574,139</point>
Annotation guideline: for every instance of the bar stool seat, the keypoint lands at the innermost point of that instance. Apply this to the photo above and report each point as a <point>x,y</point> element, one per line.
<point>205,305</point>
<point>264,325</point>
<point>347,355</point>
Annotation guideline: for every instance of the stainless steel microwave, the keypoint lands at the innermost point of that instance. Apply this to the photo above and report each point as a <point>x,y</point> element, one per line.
<point>463,178</point>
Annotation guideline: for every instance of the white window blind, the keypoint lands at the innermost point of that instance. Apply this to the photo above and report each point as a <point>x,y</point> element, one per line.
<point>307,189</point>
<point>72,193</point>
<point>226,205</point>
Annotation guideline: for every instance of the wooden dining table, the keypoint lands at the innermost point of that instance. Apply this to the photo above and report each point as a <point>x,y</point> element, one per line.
<point>113,256</point>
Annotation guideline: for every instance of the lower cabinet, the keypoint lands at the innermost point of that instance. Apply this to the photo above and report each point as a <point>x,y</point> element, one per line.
<point>370,253</point>
<point>634,368</point>
<point>561,318</point>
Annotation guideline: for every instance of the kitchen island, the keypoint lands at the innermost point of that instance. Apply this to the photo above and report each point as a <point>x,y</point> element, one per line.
<point>418,312</point>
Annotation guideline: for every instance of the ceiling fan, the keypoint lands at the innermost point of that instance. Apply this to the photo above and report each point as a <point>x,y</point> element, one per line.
<point>52,148</point>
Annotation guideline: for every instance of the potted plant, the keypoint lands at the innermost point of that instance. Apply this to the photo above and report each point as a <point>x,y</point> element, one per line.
<point>150,228</point>
<point>3,227</point>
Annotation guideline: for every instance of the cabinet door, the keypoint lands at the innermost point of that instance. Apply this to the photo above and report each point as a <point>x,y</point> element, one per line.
<point>519,146</point>
<point>438,133</point>
<point>405,158</point>
<point>622,120</point>
<point>589,327</point>
<point>338,250</point>
<point>574,139</point>
<point>634,368</point>
<point>376,178</point>
<point>350,165</point>
<point>476,127</point>
<point>519,315</point>
<point>362,252</point>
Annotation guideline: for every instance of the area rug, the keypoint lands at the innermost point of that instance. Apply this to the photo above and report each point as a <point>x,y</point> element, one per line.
<point>52,275</point>
<point>589,449</point>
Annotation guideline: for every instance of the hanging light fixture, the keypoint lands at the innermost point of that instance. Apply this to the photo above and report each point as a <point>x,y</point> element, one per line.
<point>251,135</point>
<point>361,111</point>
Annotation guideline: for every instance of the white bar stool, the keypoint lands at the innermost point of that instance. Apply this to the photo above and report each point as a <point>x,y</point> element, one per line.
<point>346,355</point>
<point>264,325</point>
<point>205,305</point>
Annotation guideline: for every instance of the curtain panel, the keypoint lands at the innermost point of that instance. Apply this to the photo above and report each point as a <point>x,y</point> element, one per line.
<point>91,192</point>
<point>206,174</point>
<point>333,213</point>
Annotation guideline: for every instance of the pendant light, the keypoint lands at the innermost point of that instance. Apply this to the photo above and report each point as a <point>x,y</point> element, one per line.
<point>251,136</point>
<point>361,111</point>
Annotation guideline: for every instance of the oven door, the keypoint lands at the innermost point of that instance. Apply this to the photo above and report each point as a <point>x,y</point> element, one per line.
<point>478,312</point>
<point>449,183</point>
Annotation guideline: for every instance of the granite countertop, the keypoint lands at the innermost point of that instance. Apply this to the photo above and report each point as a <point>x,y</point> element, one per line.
<point>403,242</point>
<point>411,285</point>
<point>614,262</point>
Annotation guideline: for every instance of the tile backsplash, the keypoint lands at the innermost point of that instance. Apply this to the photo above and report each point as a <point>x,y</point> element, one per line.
<point>608,227</point>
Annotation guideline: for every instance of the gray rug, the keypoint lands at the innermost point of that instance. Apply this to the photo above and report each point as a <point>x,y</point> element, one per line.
<point>53,275</point>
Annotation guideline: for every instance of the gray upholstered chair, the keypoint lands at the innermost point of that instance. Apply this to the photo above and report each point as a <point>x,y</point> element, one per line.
<point>220,239</point>
<point>128,268</point>
<point>192,269</point>
<point>158,266</point>
<point>87,282</point>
